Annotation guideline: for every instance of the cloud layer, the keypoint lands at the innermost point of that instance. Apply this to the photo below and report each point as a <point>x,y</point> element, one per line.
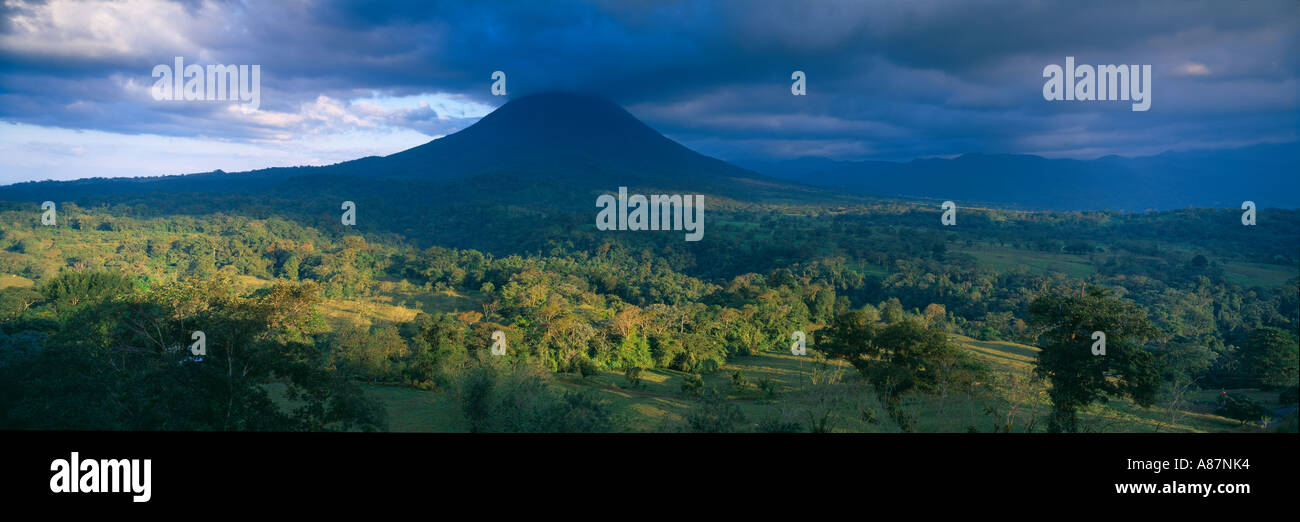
<point>888,79</point>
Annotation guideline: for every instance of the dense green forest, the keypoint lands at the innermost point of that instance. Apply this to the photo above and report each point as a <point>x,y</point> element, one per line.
<point>312,325</point>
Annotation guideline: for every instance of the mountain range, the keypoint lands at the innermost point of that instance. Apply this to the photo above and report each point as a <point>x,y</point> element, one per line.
<point>1264,174</point>
<point>559,150</point>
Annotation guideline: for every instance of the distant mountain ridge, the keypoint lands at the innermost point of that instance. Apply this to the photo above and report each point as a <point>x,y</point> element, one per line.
<point>1265,174</point>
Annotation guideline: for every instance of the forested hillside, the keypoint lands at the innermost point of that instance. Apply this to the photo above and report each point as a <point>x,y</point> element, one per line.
<point>635,332</point>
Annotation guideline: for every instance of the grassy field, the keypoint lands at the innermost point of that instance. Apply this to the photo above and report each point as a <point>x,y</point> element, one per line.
<point>393,302</point>
<point>1255,274</point>
<point>1005,258</point>
<point>410,296</point>
<point>8,280</point>
<point>414,410</point>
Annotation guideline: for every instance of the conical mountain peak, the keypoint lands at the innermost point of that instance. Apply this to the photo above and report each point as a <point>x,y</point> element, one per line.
<point>558,135</point>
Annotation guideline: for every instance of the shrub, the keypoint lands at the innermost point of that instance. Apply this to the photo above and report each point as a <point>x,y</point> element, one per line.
<point>692,385</point>
<point>520,399</point>
<point>588,368</point>
<point>715,414</point>
<point>1240,408</point>
<point>775,425</point>
<point>739,381</point>
<point>869,416</point>
<point>633,375</point>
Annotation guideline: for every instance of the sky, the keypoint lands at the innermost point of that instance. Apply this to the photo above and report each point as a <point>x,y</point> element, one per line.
<point>891,80</point>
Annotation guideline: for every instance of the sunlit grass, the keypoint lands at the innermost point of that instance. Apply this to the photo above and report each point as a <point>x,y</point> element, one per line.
<point>1007,258</point>
<point>7,281</point>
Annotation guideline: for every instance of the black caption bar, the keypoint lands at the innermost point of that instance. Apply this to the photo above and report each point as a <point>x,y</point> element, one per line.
<point>234,470</point>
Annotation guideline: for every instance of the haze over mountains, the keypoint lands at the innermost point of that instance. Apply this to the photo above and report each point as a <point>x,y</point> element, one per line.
<point>1265,174</point>
<point>561,149</point>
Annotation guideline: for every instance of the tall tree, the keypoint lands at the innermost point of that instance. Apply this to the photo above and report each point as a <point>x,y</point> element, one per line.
<point>1270,357</point>
<point>1079,378</point>
<point>898,358</point>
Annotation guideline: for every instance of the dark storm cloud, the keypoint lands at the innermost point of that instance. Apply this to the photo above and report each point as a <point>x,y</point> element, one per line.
<point>885,79</point>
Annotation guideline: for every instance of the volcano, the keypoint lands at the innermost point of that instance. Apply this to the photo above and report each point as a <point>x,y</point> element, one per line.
<point>584,142</point>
